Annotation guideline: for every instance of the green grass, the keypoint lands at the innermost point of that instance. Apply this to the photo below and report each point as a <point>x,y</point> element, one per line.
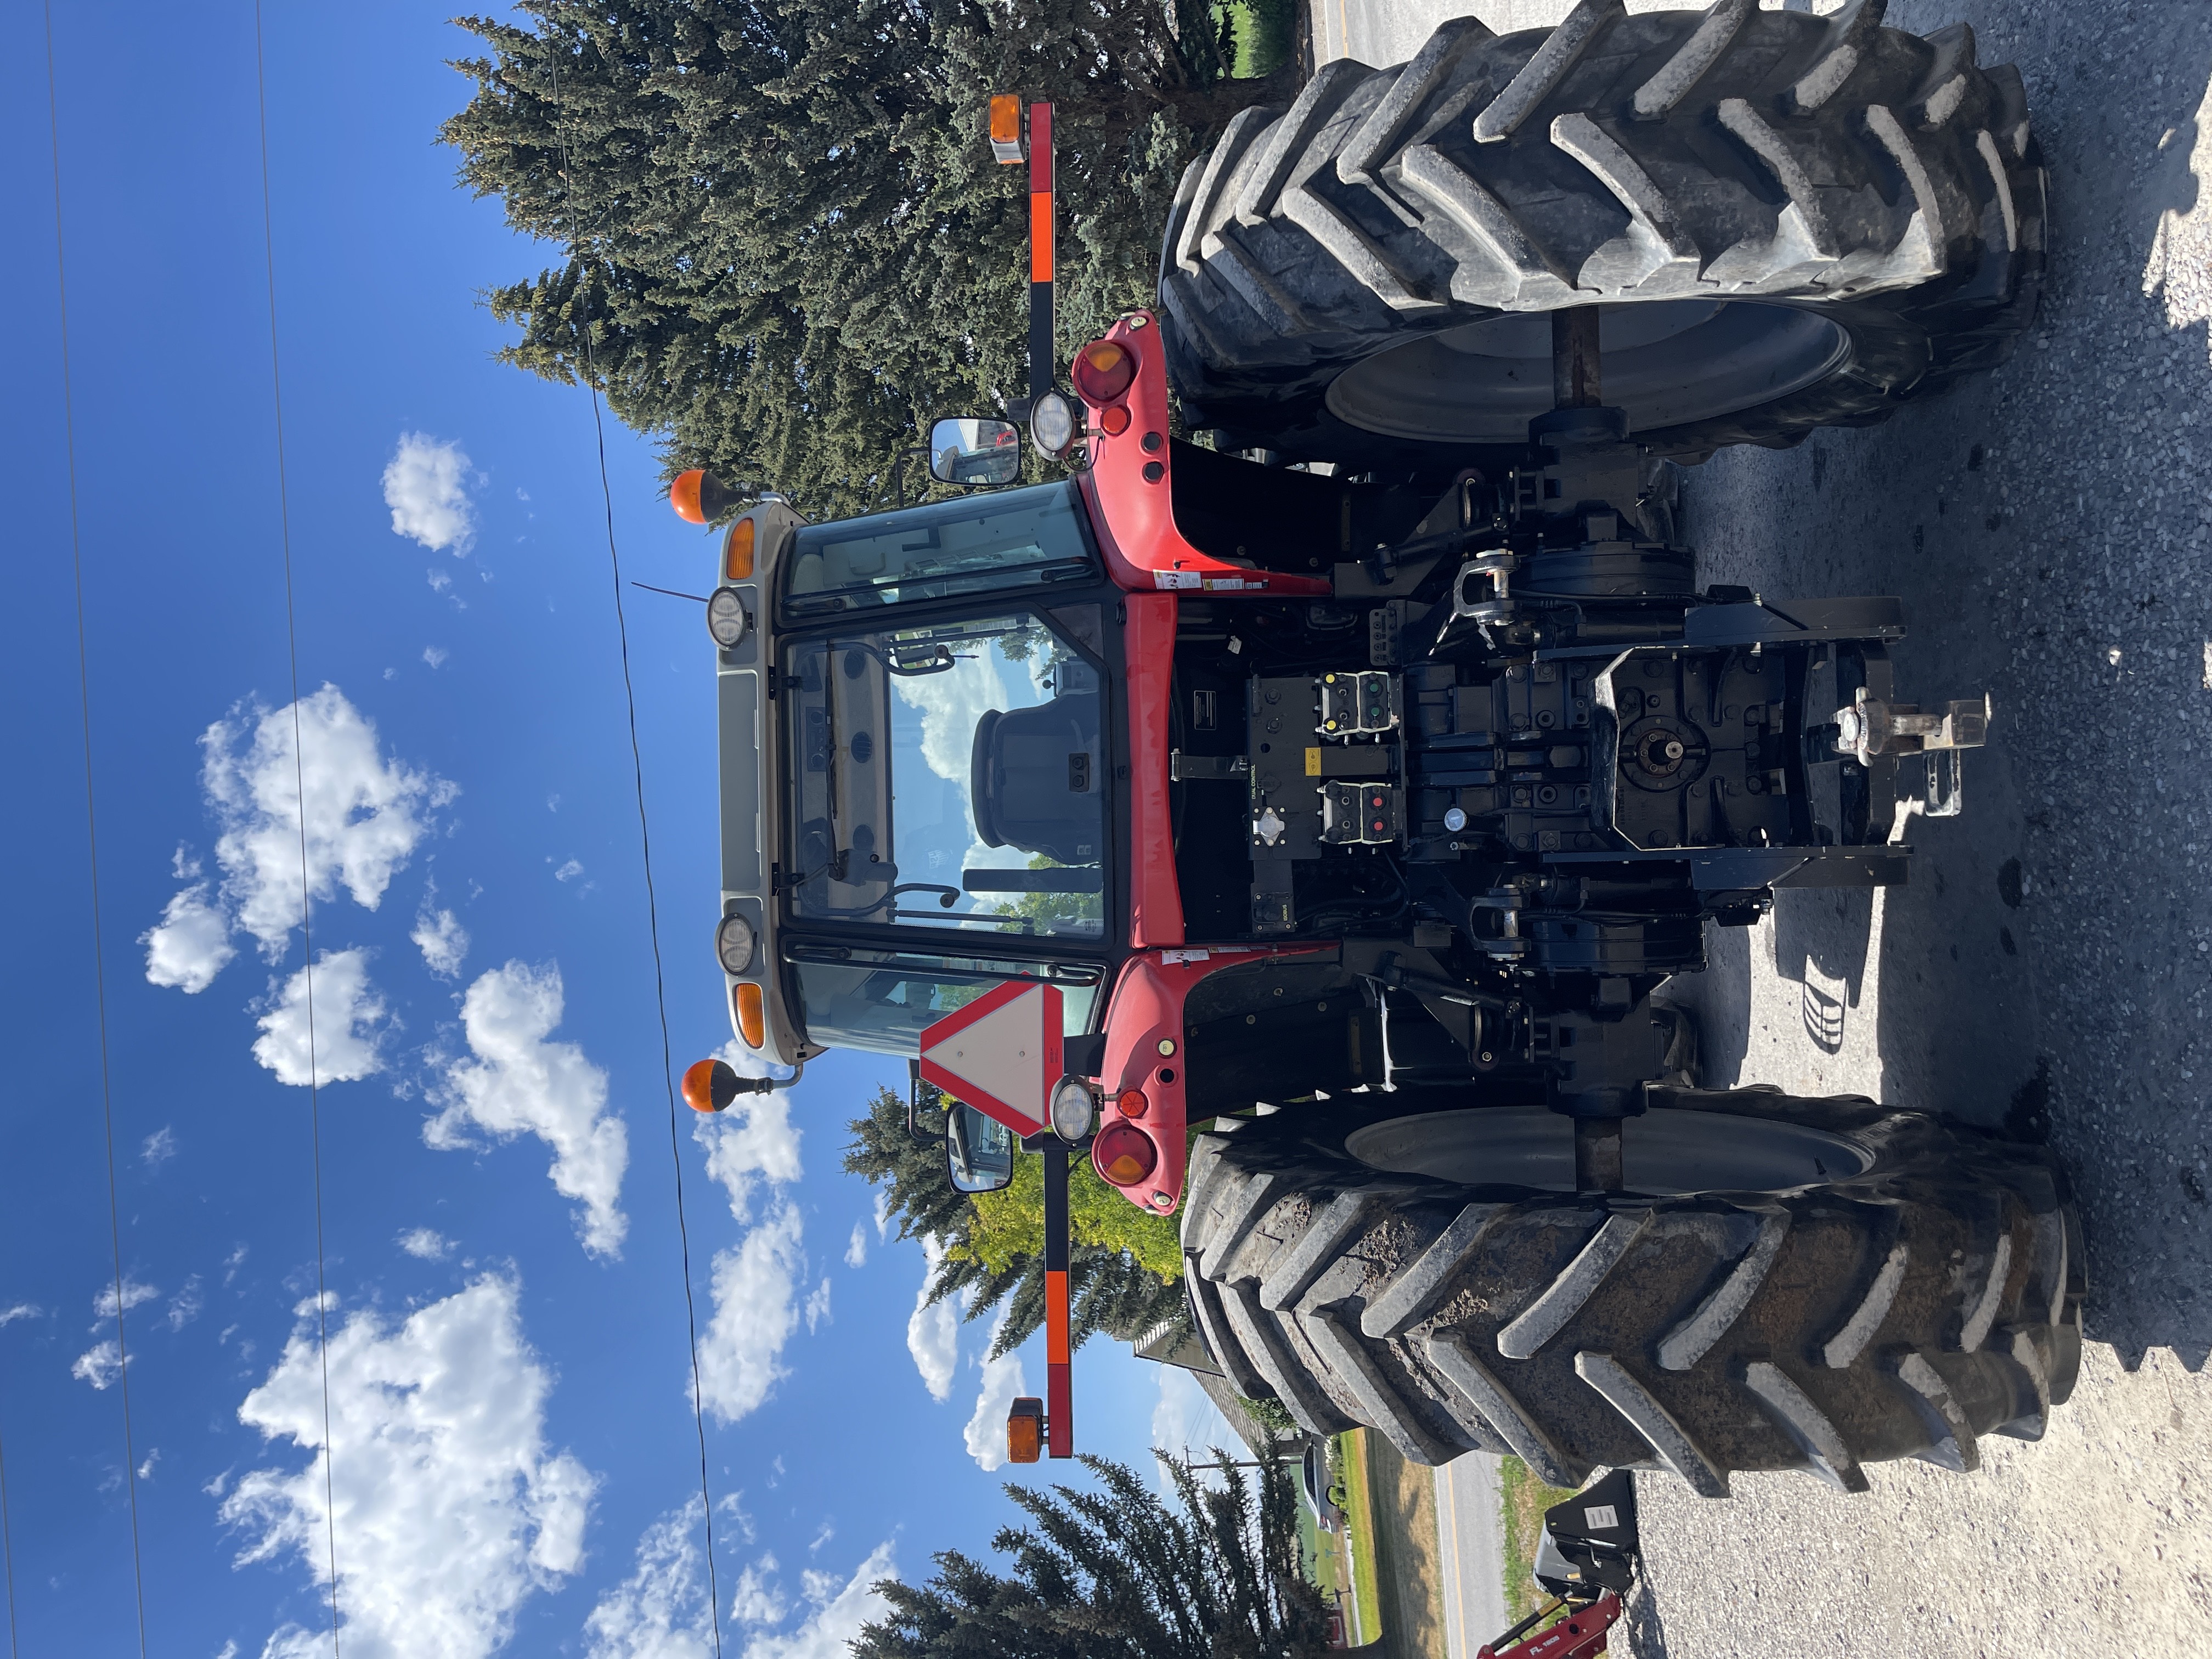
<point>1523,1499</point>
<point>1264,32</point>
<point>1359,1526</point>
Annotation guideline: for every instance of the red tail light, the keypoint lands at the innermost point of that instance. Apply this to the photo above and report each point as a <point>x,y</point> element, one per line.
<point>1103,371</point>
<point>1123,1155</point>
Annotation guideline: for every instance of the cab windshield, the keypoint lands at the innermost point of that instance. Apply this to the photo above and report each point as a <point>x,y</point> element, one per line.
<point>1010,538</point>
<point>949,775</point>
<point>859,998</point>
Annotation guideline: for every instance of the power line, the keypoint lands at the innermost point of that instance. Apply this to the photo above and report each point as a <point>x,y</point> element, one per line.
<point>300,785</point>
<point>7,1552</point>
<point>92,848</point>
<point>652,917</point>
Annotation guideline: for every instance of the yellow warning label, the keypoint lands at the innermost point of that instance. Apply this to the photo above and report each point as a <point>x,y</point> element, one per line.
<point>1312,761</point>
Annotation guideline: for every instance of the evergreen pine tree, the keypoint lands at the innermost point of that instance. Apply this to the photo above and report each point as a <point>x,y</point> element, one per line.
<point>1117,1573</point>
<point>1108,1291</point>
<point>779,221</point>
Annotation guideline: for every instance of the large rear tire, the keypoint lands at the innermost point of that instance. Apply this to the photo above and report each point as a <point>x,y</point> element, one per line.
<point>1794,1283</point>
<point>1791,221</point>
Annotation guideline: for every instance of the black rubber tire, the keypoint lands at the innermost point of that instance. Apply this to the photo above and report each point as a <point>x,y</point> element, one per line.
<point>1881,181</point>
<point>1930,1298</point>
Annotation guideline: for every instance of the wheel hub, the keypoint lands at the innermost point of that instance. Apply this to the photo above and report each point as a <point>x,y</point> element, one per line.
<point>1664,1154</point>
<point>1666,361</point>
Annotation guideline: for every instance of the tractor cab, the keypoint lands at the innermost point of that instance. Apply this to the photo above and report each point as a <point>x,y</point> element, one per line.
<point>919,779</point>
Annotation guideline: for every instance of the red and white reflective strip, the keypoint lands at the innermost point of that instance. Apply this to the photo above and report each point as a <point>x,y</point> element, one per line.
<point>1042,365</point>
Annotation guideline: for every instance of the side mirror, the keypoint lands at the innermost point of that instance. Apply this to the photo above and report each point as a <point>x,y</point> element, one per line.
<point>972,452</point>
<point>979,1150</point>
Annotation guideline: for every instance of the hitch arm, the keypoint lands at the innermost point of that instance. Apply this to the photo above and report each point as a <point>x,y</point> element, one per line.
<point>1580,1635</point>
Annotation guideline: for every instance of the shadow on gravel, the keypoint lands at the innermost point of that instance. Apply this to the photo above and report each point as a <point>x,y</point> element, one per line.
<point>1647,1631</point>
<point>2048,971</point>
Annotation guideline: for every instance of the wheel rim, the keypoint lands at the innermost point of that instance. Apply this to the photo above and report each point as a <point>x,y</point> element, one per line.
<point>1667,362</point>
<point>1664,1153</point>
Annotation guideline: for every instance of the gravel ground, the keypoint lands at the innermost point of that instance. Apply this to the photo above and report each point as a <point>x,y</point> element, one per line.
<point>2049,965</point>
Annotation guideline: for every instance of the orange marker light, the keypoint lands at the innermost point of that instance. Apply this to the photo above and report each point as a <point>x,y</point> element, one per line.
<point>737,552</point>
<point>1115,420</point>
<point>1006,128</point>
<point>1025,1430</point>
<point>751,1009</point>
<point>684,496</point>
<point>1131,1103</point>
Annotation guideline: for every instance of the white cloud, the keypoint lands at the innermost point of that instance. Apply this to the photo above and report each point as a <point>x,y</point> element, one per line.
<point>932,1331</point>
<point>345,1036</point>
<point>442,940</point>
<point>422,1242</point>
<point>146,1469</point>
<point>159,1147</point>
<point>817,1306</point>
<point>986,1434</point>
<point>755,1283</point>
<point>753,1138</point>
<point>856,1248</point>
<point>453,1509</point>
<point>758,1597</point>
<point>191,944</point>
<point>569,872</point>
<point>21,1310</point>
<point>99,1365</point>
<point>364,816</point>
<point>839,1611</point>
<point>424,486</point>
<point>950,704</point>
<point>1185,1421</point>
<point>435,655</point>
<point>661,1610</point>
<point>185,1306</point>
<point>755,1289</point>
<point>520,1082</point>
<point>106,1302</point>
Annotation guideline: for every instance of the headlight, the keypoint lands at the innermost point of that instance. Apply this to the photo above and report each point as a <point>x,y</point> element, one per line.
<point>725,617</point>
<point>1052,423</point>
<point>733,943</point>
<point>1075,1109</point>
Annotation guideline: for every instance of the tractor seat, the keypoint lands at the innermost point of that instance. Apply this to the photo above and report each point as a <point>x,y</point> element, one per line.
<point>1033,779</point>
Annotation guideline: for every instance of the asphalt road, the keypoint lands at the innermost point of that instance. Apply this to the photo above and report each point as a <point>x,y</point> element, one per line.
<point>2048,527</point>
<point>1470,1544</point>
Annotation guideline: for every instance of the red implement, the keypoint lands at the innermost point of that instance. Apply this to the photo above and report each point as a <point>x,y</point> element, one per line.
<point>1579,1635</point>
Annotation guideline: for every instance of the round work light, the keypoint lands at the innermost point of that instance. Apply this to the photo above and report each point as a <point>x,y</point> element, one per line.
<point>1075,1109</point>
<point>733,943</point>
<point>725,617</point>
<point>1052,424</point>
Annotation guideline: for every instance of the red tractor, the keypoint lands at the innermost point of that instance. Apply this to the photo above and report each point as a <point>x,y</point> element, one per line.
<point>1300,826</point>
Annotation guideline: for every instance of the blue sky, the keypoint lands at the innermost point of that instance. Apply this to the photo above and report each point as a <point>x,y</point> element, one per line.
<point>507,1364</point>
